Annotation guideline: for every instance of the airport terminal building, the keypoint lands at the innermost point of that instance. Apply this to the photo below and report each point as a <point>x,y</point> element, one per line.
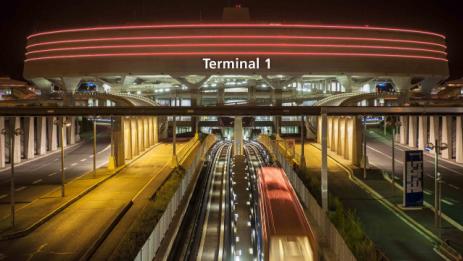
<point>205,64</point>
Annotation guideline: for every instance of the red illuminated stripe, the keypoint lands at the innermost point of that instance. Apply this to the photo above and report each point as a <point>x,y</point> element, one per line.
<point>234,53</point>
<point>232,45</point>
<point>286,37</point>
<point>342,27</point>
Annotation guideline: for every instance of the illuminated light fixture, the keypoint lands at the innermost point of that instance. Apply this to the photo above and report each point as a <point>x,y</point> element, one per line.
<point>286,37</point>
<point>172,26</point>
<point>378,55</point>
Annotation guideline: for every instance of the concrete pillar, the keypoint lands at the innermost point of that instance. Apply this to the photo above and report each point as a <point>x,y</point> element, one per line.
<point>150,131</point>
<point>156,130</point>
<point>2,143</point>
<point>127,138</point>
<point>140,134</point>
<point>447,136</point>
<point>403,130</point>
<point>422,132</point>
<point>146,141</point>
<point>459,140</point>
<point>17,141</point>
<point>65,131</point>
<point>349,139</point>
<point>342,137</point>
<point>329,138</point>
<point>433,130</point>
<point>238,136</point>
<point>134,136</point>
<point>77,131</point>
<point>117,157</point>
<point>335,136</point>
<point>71,134</point>
<point>412,122</point>
<point>29,138</point>
<point>41,135</point>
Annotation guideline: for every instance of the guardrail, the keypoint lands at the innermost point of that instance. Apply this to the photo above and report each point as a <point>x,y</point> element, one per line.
<point>138,97</point>
<point>329,233</point>
<point>151,245</point>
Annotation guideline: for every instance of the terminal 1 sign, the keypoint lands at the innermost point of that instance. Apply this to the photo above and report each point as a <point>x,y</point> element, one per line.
<point>413,179</point>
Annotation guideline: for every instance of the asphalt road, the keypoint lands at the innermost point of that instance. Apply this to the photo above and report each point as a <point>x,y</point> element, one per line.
<point>379,155</point>
<point>35,178</point>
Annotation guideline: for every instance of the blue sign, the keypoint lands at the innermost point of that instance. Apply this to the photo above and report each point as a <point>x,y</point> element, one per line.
<point>413,178</point>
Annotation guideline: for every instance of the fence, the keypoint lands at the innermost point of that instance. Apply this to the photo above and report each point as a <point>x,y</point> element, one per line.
<point>149,249</point>
<point>328,232</point>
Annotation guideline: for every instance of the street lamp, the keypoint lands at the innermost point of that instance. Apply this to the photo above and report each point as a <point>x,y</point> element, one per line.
<point>62,123</point>
<point>394,124</point>
<point>12,132</point>
<point>437,178</point>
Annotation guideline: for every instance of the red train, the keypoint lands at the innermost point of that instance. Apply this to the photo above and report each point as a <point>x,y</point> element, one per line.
<point>286,234</point>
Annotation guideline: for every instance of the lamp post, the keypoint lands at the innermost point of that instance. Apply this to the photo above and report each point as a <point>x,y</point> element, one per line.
<point>302,159</point>
<point>394,124</point>
<point>12,132</point>
<point>94,147</point>
<point>364,147</point>
<point>437,147</point>
<point>62,124</point>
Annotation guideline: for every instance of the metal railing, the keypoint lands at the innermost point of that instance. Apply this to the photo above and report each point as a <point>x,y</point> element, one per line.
<point>328,232</point>
<point>152,244</point>
<point>137,97</point>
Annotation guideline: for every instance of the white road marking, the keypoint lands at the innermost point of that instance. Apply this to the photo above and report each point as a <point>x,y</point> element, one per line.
<point>52,174</point>
<point>37,181</point>
<point>447,202</point>
<point>84,159</point>
<point>73,164</point>
<point>427,192</point>
<point>453,186</point>
<point>21,188</point>
<point>3,196</point>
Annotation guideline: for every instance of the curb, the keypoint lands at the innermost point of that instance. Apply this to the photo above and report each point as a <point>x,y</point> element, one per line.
<point>50,215</point>
<point>106,231</point>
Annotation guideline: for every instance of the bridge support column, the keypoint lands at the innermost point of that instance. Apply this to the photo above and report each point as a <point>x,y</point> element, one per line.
<point>71,135</point>
<point>41,135</point>
<point>64,133</point>
<point>17,141</point>
<point>447,136</point>
<point>156,129</point>
<point>134,136</point>
<point>2,143</point>
<point>433,130</point>
<point>459,140</point>
<point>422,132</point>
<point>335,135</point>
<point>117,157</point>
<point>403,130</point>
<point>238,136</point>
<point>342,137</point>
<point>29,137</point>
<point>127,138</point>
<point>141,146</point>
<point>150,131</point>
<point>329,138</point>
<point>146,141</point>
<point>412,131</point>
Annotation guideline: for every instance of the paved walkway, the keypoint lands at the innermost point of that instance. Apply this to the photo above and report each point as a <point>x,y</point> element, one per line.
<point>391,234</point>
<point>71,232</point>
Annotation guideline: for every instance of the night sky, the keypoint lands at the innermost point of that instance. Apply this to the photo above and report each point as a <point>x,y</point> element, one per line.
<point>19,18</point>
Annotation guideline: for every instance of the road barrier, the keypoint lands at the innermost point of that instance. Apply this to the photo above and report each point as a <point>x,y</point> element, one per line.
<point>328,235</point>
<point>151,245</point>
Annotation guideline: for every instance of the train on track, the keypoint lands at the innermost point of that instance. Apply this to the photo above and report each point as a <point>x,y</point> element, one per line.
<point>286,233</point>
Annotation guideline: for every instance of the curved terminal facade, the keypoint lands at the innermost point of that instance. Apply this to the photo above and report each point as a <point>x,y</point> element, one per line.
<point>349,55</point>
<point>258,64</point>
